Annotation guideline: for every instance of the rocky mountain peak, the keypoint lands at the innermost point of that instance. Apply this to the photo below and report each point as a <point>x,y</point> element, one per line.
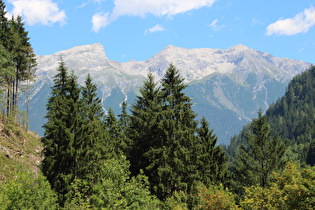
<point>86,50</point>
<point>239,48</point>
<point>76,58</point>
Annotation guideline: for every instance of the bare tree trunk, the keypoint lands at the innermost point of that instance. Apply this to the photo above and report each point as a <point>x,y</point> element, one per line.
<point>16,96</point>
<point>12,97</point>
<point>27,102</point>
<point>8,101</point>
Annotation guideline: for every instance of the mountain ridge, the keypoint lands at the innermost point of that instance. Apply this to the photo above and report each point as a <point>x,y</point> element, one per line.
<point>225,84</point>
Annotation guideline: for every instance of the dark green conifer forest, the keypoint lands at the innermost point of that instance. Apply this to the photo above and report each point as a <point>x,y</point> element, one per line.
<point>155,154</point>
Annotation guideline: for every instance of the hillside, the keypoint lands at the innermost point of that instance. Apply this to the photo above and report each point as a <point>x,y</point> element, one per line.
<point>292,117</point>
<point>19,149</point>
<point>227,86</point>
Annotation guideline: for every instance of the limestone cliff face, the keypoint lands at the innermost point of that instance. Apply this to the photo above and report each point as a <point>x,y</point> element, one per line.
<point>227,86</point>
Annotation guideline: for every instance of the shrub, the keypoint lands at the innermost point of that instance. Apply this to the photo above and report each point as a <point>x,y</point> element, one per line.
<point>215,197</point>
<point>117,190</point>
<point>291,189</point>
<point>26,191</point>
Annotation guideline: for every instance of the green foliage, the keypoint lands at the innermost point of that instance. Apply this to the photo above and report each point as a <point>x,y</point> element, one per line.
<point>291,189</point>
<point>168,145</point>
<point>19,149</point>
<point>211,160</point>
<point>310,159</point>
<point>23,57</point>
<point>75,140</point>
<point>94,146</point>
<point>260,156</point>
<point>115,133</point>
<point>144,125</point>
<point>77,196</point>
<point>178,201</point>
<point>292,116</point>
<point>117,190</point>
<point>170,158</point>
<point>27,191</point>
<point>215,197</point>
<point>61,139</point>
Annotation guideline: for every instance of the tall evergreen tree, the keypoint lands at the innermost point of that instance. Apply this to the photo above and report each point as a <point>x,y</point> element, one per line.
<point>210,158</point>
<point>93,137</point>
<point>23,56</point>
<point>124,117</point>
<point>60,139</point>
<point>260,156</point>
<point>14,38</point>
<point>171,168</point>
<point>115,133</point>
<point>6,72</point>
<point>73,123</point>
<point>310,158</point>
<point>30,77</point>
<point>124,120</point>
<point>3,24</point>
<point>144,124</point>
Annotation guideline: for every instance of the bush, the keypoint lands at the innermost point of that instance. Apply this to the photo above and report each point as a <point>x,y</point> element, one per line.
<point>26,191</point>
<point>178,201</point>
<point>291,189</point>
<point>117,190</point>
<point>215,197</point>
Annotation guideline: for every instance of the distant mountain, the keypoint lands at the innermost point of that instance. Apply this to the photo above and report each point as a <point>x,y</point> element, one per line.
<point>227,86</point>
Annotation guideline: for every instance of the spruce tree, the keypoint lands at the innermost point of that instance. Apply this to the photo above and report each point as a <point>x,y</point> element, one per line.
<point>30,77</point>
<point>73,123</point>
<point>310,158</point>
<point>93,138</point>
<point>260,156</point>
<point>124,120</point>
<point>124,117</point>
<point>61,148</point>
<point>210,158</point>
<point>17,43</point>
<point>171,167</point>
<point>3,25</point>
<point>115,133</point>
<point>143,130</point>
<point>6,68</point>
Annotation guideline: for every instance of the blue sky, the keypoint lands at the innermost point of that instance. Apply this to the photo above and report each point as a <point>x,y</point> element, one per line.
<point>138,29</point>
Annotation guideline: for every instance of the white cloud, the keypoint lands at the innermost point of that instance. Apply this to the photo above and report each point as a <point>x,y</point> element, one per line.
<point>100,20</point>
<point>155,28</point>
<point>155,7</point>
<point>216,27</point>
<point>89,1</point>
<point>301,23</point>
<point>38,11</point>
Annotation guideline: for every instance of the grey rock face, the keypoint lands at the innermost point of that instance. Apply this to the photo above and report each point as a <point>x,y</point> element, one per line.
<point>227,86</point>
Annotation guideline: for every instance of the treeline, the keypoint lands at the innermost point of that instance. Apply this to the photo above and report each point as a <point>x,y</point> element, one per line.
<point>17,63</point>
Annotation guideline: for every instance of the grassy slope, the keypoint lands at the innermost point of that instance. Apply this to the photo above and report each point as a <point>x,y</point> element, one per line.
<point>20,149</point>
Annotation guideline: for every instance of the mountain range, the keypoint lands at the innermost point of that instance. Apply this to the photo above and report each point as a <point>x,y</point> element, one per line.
<point>227,86</point>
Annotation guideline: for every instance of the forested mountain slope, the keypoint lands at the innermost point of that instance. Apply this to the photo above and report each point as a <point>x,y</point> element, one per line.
<point>293,117</point>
